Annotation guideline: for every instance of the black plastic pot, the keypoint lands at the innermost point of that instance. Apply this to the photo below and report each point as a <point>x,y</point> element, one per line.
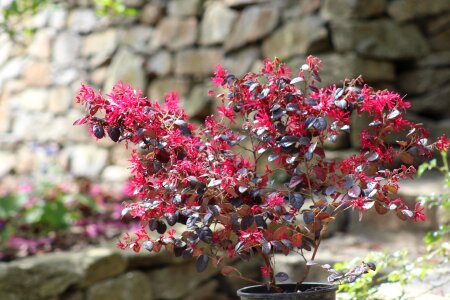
<point>309,291</point>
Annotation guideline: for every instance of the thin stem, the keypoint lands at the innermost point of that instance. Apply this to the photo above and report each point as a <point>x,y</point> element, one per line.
<point>308,268</point>
<point>268,265</point>
<point>309,183</point>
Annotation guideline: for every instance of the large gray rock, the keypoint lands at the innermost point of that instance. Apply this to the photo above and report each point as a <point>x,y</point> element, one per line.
<point>435,59</point>
<point>183,279</point>
<point>6,47</point>
<point>129,286</point>
<point>198,103</point>
<point>8,163</point>
<point>438,24</point>
<point>149,260</point>
<point>66,48</point>
<point>150,13</point>
<point>83,20</point>
<point>99,47</point>
<point>174,33</point>
<point>380,39</point>
<point>346,9</point>
<point>206,291</point>
<point>240,62</point>
<point>255,22</point>
<point>434,104</point>
<point>127,67</point>
<point>137,38</point>
<point>33,99</point>
<point>37,73</point>
<point>12,69</point>
<point>160,63</point>
<point>441,40</point>
<point>243,2</point>
<point>217,23</point>
<point>404,10</point>
<point>198,62</point>
<point>419,81</point>
<point>302,36</point>
<point>182,8</point>
<point>338,67</point>
<point>46,276</point>
<point>58,18</point>
<point>87,160</point>
<point>41,45</point>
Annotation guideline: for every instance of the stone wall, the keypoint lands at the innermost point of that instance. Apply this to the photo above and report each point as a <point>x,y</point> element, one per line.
<point>175,44</point>
<point>101,273</point>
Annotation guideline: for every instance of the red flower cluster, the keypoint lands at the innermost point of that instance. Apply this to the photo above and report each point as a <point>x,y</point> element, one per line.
<point>208,178</point>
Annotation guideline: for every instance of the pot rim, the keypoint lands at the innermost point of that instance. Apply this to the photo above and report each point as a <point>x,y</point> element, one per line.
<point>327,287</point>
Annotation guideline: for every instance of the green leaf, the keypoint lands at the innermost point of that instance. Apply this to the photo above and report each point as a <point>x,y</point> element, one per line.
<point>422,169</point>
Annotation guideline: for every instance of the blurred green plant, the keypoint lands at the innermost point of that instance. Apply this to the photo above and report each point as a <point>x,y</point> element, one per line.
<point>401,268</point>
<point>13,12</point>
<point>45,216</point>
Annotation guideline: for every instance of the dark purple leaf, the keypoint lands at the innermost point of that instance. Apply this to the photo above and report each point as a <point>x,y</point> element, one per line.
<point>191,222</point>
<point>172,218</point>
<point>266,247</point>
<point>373,156</point>
<point>354,191</point>
<point>290,160</point>
<point>273,157</point>
<point>253,86</point>
<point>292,107</point>
<point>202,263</point>
<point>304,141</point>
<point>316,77</point>
<point>296,200</point>
<point>295,180</point>
<point>152,224</point>
<point>259,220</point>
<point>296,80</point>
<point>114,133</point>
<point>330,190</point>
<point>308,217</point>
<point>246,222</point>
<point>288,140</point>
<point>161,227</point>
<point>407,213</point>
<point>281,276</point>
<point>312,147</point>
<point>206,235</point>
<point>98,131</point>
<point>393,114</point>
<point>313,89</point>
<point>338,93</point>
<point>312,101</point>
<point>264,93</point>
<point>320,123</point>
<point>148,245</point>
<point>342,104</point>
<point>375,123</point>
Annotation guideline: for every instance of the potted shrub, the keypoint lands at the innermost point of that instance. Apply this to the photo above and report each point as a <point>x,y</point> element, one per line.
<point>219,180</point>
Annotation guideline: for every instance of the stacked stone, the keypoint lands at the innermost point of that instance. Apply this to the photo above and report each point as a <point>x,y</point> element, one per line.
<point>102,273</point>
<point>176,44</point>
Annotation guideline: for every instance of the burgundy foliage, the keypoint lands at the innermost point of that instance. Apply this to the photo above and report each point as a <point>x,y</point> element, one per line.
<point>207,178</point>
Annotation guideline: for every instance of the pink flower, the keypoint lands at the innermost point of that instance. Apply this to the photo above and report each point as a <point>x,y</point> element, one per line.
<point>443,143</point>
<point>265,272</point>
<point>418,215</point>
<point>219,76</point>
